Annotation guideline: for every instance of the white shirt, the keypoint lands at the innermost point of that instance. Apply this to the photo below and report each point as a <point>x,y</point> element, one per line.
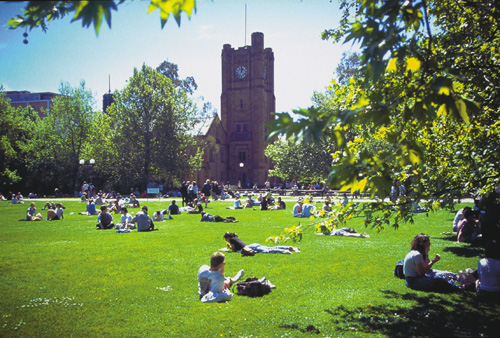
<point>211,286</point>
<point>489,274</point>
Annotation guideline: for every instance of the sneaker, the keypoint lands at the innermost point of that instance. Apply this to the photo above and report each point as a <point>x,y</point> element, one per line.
<point>240,274</point>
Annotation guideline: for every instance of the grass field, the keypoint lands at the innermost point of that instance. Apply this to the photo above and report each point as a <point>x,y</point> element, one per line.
<point>66,279</point>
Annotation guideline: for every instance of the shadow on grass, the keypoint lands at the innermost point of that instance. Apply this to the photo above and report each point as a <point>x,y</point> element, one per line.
<point>459,315</point>
<point>310,329</point>
<point>466,251</point>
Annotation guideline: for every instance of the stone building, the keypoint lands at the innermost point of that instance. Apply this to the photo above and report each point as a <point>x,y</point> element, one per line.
<point>235,143</point>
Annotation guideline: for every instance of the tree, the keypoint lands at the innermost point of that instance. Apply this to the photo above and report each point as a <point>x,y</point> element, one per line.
<point>171,70</point>
<point>302,162</point>
<point>59,139</point>
<point>152,120</point>
<point>427,107</point>
<point>348,68</point>
<point>40,13</point>
<point>15,132</point>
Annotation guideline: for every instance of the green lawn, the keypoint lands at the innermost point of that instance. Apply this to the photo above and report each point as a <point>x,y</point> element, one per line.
<point>64,278</point>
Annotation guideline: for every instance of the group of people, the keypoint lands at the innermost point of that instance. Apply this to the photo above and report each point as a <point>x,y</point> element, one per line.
<point>213,285</point>
<point>141,221</point>
<point>420,275</point>
<point>55,212</point>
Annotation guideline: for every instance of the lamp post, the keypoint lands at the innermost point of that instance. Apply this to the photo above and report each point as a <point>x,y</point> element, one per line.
<point>90,164</point>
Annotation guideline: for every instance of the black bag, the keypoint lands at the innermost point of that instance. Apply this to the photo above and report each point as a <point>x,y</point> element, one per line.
<point>398,270</point>
<point>253,287</point>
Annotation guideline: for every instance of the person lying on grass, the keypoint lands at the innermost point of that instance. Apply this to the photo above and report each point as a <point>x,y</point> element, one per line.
<point>347,232</point>
<point>206,217</point>
<point>418,272</point>
<point>235,244</point>
<point>213,286</point>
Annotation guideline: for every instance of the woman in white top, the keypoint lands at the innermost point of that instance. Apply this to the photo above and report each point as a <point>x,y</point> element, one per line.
<point>418,272</point>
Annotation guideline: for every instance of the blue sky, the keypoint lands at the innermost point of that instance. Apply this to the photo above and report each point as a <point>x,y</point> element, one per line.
<point>67,52</point>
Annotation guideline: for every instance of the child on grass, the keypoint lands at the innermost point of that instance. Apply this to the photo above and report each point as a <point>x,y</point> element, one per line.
<point>213,286</point>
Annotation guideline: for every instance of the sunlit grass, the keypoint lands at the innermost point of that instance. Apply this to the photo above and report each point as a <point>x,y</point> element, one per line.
<point>64,278</point>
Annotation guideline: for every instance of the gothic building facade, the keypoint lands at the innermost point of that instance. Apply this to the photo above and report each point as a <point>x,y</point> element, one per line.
<point>235,143</point>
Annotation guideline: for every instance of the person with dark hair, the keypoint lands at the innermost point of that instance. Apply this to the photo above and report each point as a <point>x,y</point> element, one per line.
<point>213,286</point>
<point>280,205</point>
<point>488,268</point>
<point>235,244</point>
<point>184,192</point>
<point>144,222</point>
<point>173,208</point>
<point>125,220</point>
<point>466,230</point>
<point>458,217</point>
<point>418,272</point>
<point>105,219</point>
<point>206,217</point>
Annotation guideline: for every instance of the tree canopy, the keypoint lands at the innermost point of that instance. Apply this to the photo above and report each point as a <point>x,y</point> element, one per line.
<point>38,14</point>
<point>426,109</point>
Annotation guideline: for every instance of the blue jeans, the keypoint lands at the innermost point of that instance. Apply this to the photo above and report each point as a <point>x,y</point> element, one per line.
<point>268,249</point>
<point>430,283</point>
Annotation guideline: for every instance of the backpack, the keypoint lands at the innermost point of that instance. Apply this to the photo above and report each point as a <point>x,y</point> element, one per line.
<point>398,270</point>
<point>253,287</point>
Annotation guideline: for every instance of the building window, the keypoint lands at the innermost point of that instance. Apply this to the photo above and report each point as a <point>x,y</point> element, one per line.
<point>242,156</point>
<point>238,128</point>
<point>245,128</point>
<point>241,103</point>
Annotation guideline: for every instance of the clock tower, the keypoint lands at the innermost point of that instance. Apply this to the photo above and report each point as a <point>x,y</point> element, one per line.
<point>247,104</point>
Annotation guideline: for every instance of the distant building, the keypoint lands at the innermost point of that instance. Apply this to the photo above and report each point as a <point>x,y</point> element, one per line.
<point>41,102</point>
<point>107,100</point>
<point>235,143</point>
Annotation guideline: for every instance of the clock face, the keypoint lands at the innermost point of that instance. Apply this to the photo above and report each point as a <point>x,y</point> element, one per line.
<point>241,72</point>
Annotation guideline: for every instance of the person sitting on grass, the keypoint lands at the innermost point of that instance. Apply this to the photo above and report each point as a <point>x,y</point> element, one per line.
<point>134,202</point>
<point>347,232</point>
<point>206,217</point>
<point>488,268</point>
<point>327,207</point>
<point>236,245</point>
<point>418,272</point>
<point>144,222</point>
<point>31,212</point>
<point>59,211</point>
<point>263,203</point>
<point>173,208</point>
<point>91,210</point>
<point>197,208</point>
<point>297,208</point>
<point>466,230</point>
<point>280,205</point>
<point>213,286</point>
<point>237,204</point>
<point>250,202</point>
<point>99,200</point>
<point>14,200</point>
<point>458,217</point>
<point>126,220</point>
<point>105,219</point>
